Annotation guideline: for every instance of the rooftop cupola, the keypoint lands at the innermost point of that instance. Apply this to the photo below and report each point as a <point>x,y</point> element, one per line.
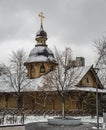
<point>41,35</point>
<point>41,59</point>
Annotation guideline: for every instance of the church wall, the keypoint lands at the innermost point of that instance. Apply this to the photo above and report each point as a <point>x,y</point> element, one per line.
<point>2,101</point>
<point>53,102</point>
<point>88,80</point>
<point>12,101</point>
<point>73,101</point>
<point>27,102</point>
<point>34,69</point>
<point>8,101</point>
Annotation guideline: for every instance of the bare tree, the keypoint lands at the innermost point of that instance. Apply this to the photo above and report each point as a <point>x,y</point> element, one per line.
<point>63,77</point>
<point>2,69</point>
<point>16,76</point>
<point>100,45</point>
<point>39,98</point>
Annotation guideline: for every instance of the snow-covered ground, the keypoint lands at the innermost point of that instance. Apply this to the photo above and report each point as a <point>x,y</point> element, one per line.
<point>84,119</point>
<point>30,119</point>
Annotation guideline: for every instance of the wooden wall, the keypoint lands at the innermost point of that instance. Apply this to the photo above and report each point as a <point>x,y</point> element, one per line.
<point>49,100</point>
<point>38,100</point>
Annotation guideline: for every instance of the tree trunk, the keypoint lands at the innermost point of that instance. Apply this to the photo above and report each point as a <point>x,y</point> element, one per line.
<point>6,99</point>
<point>33,104</point>
<point>20,103</point>
<point>63,107</point>
<point>20,106</point>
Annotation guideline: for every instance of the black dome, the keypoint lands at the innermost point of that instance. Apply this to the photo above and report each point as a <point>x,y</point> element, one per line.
<point>41,54</point>
<point>41,33</point>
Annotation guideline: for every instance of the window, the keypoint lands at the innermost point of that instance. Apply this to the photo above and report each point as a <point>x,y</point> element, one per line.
<point>42,68</point>
<point>87,80</point>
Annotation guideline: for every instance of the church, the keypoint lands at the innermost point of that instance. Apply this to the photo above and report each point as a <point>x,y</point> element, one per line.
<point>38,100</point>
<point>40,62</point>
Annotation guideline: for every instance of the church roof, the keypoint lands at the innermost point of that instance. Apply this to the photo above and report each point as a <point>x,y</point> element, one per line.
<point>41,33</point>
<point>32,84</point>
<point>87,89</point>
<point>79,73</point>
<point>39,82</point>
<point>41,54</point>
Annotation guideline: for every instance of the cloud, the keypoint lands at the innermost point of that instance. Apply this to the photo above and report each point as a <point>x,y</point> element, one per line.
<point>74,23</point>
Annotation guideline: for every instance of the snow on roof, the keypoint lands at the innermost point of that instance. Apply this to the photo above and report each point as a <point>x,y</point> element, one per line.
<point>34,84</point>
<point>41,54</point>
<point>79,73</point>
<point>39,59</point>
<point>38,49</point>
<point>88,89</point>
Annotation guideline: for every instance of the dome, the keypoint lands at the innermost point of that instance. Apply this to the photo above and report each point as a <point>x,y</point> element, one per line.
<point>41,54</point>
<point>41,59</point>
<point>41,33</point>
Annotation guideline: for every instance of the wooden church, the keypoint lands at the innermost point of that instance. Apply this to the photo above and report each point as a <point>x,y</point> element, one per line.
<point>39,100</point>
<point>41,61</point>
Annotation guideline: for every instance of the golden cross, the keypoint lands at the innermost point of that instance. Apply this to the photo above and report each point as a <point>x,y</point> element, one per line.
<point>41,17</point>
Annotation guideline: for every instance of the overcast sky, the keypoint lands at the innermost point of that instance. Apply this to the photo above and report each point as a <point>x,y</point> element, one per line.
<point>68,23</point>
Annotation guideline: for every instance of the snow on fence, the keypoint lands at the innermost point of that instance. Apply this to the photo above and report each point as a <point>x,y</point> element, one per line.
<point>8,117</point>
<point>18,127</point>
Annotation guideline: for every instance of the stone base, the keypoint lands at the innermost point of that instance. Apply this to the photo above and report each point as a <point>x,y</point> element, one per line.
<point>64,122</point>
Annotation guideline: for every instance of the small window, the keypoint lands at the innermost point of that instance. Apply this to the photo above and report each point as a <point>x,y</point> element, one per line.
<point>87,80</point>
<point>42,69</point>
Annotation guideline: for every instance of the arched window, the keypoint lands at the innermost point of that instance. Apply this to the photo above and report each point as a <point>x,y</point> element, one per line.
<point>42,68</point>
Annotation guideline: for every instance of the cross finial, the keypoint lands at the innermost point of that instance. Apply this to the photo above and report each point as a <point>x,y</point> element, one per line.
<point>41,17</point>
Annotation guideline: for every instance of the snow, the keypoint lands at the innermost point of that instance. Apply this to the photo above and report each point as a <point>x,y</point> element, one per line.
<point>38,82</point>
<point>88,119</point>
<point>32,86</point>
<point>35,84</point>
<point>30,119</point>
<point>37,59</point>
<point>79,73</point>
<point>46,55</point>
<point>40,59</point>
<point>88,89</point>
<point>84,119</point>
<point>38,49</point>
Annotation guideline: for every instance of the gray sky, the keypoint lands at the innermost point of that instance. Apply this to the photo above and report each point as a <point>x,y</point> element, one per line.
<point>68,23</point>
